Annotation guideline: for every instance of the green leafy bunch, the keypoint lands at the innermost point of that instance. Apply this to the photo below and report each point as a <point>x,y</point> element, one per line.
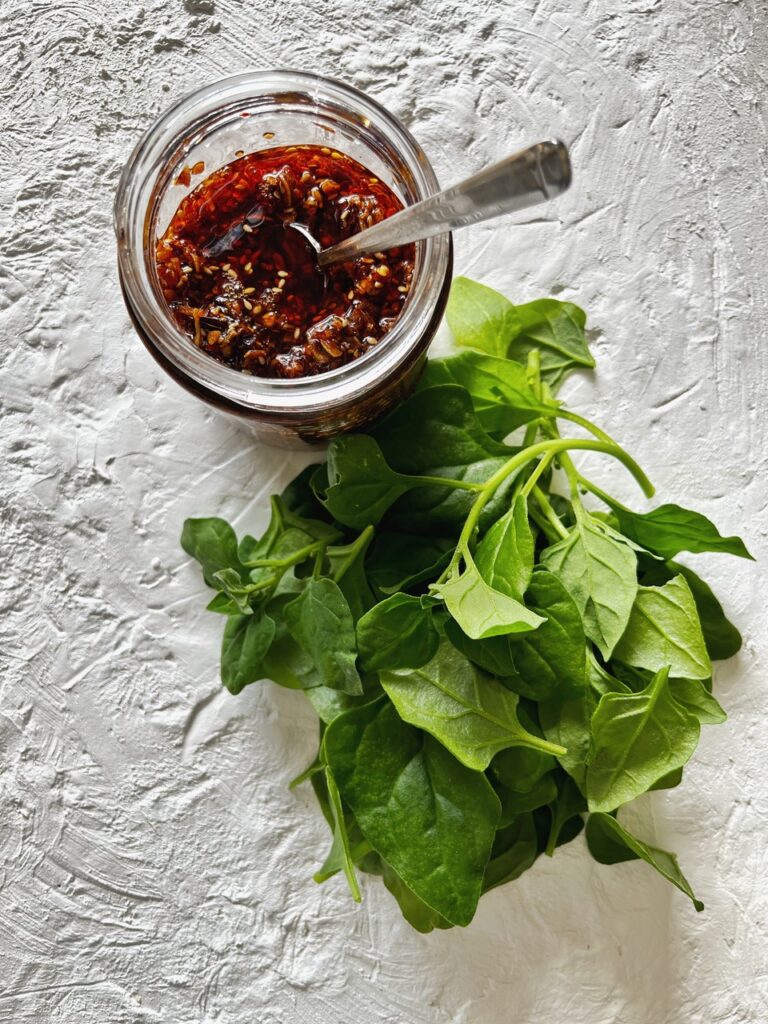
<point>491,659</point>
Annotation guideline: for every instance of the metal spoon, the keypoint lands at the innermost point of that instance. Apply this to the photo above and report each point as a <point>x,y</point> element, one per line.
<point>531,176</point>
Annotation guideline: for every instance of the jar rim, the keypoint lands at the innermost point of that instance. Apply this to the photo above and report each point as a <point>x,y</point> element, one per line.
<point>148,167</point>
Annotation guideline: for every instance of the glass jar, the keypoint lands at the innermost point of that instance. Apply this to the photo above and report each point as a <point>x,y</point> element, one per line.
<point>248,112</point>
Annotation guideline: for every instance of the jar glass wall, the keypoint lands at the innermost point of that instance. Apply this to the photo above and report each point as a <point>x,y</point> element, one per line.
<point>246,113</point>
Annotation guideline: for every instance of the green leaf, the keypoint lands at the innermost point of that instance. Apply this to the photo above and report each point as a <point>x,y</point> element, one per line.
<point>233,588</point>
<point>480,610</point>
<point>494,654</point>
<point>610,843</point>
<point>415,911</point>
<point>668,781</point>
<point>568,724</point>
<point>556,330</point>
<point>520,768</point>
<point>246,640</point>
<point>722,638</point>
<point>637,739</point>
<point>545,664</point>
<point>212,542</point>
<point>329,704</point>
<point>399,561</point>
<point>551,661</point>
<point>223,604</point>
<point>286,534</point>
<point>513,803</point>
<point>568,803</point>
<point>694,697</point>
<point>501,395</point>
<point>435,433</point>
<point>669,529</point>
<point>429,817</point>
<point>664,629</point>
<point>470,713</point>
<point>515,848</point>
<point>299,498</point>
<point>480,317</point>
<point>319,619</point>
<point>357,486</point>
<point>397,633</point>
<point>504,557</point>
<point>601,680</point>
<point>600,573</point>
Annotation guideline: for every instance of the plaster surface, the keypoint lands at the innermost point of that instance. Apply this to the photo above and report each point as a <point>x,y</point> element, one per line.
<point>154,868</point>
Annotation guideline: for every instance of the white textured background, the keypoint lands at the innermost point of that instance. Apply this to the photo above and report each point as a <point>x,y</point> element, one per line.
<point>153,865</point>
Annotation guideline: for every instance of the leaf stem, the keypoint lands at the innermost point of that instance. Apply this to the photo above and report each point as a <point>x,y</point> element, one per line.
<point>542,448</point>
<point>533,479</point>
<point>543,523</point>
<point>552,517</point>
<point>289,560</point>
<point>439,481</point>
<point>358,545</point>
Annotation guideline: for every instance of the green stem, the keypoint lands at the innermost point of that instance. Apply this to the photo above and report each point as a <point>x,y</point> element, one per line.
<point>534,382</point>
<point>535,743</point>
<point>357,546</point>
<point>573,481</point>
<point>289,560</point>
<point>439,481</point>
<point>646,485</point>
<point>543,523</point>
<point>573,417</point>
<point>533,479</point>
<point>519,460</point>
<point>550,514</point>
<point>533,371</point>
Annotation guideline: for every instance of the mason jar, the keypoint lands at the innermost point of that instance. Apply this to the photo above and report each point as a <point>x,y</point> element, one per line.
<point>245,113</point>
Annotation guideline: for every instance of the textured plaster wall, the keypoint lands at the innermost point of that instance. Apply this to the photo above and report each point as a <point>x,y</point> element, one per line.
<point>153,865</point>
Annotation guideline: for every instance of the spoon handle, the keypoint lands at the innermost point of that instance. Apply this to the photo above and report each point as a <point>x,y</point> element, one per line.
<point>531,176</point>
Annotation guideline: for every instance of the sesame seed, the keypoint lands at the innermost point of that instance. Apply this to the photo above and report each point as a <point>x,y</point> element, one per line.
<point>248,291</point>
<point>401,288</point>
<point>247,304</point>
<point>282,273</point>
<point>247,229</point>
<point>281,284</point>
<point>186,269</point>
<point>351,293</point>
<point>226,266</point>
<point>248,267</point>
<point>296,334</point>
<point>382,271</point>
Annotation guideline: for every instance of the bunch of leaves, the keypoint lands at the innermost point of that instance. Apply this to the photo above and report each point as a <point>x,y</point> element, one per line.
<point>491,659</point>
